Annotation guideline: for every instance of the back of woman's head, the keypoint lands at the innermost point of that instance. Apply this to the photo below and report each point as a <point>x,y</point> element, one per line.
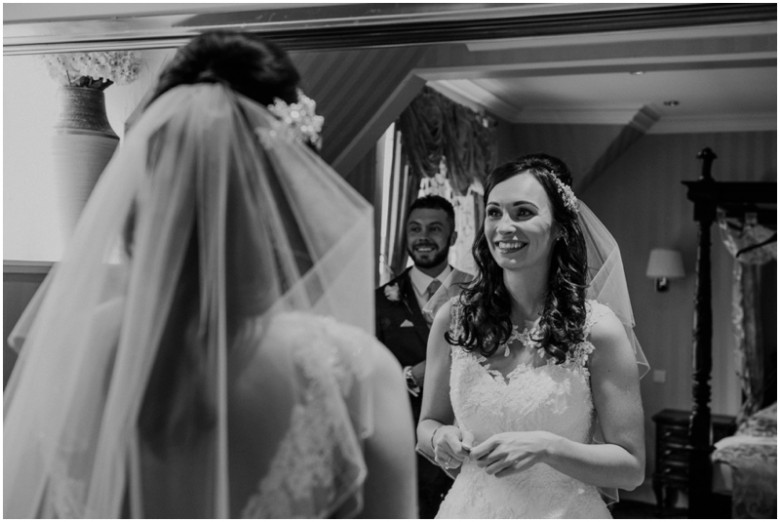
<point>247,64</point>
<point>178,406</point>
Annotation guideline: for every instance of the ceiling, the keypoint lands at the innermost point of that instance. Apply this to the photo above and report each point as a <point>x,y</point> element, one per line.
<point>679,80</point>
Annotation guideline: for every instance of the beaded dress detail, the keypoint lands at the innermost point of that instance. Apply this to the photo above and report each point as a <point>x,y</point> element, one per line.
<point>546,396</point>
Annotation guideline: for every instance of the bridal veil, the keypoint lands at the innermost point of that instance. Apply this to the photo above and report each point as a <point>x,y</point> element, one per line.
<point>607,285</point>
<point>607,278</point>
<point>209,176</point>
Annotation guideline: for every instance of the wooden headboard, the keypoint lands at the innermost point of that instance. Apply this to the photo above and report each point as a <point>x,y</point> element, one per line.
<point>707,196</point>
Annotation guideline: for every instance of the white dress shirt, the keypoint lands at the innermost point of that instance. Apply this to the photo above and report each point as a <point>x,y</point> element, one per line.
<point>421,280</point>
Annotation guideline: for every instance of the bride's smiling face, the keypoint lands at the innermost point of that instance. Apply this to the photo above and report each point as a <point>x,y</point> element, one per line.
<point>519,226</point>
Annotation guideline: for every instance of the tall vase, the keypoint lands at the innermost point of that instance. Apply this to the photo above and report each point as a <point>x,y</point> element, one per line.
<point>83,143</point>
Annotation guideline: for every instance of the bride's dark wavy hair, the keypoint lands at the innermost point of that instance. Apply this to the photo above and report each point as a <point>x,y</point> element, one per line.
<point>485,320</point>
<point>177,408</point>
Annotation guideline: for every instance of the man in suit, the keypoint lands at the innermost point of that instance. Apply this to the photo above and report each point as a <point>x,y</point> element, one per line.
<point>402,326</point>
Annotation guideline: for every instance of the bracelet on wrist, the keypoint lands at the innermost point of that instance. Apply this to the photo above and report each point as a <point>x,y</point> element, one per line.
<point>433,448</point>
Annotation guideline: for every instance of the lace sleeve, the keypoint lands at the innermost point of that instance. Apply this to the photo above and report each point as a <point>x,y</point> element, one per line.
<point>456,317</point>
<point>580,353</point>
<point>352,365</point>
<point>318,469</point>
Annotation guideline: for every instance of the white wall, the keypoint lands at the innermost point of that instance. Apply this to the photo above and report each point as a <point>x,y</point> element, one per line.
<point>31,228</point>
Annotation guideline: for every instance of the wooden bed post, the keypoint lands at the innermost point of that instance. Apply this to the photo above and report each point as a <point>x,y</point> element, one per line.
<point>707,196</point>
<point>703,195</point>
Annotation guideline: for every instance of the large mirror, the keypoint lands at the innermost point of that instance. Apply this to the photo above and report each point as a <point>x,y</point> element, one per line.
<point>627,94</point>
<point>552,74</point>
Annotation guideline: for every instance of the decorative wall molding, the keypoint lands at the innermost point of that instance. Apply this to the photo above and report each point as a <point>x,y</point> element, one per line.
<point>612,115</point>
<point>645,122</point>
<point>692,33</point>
<point>26,267</point>
<point>716,123</point>
<point>644,119</point>
<point>466,91</point>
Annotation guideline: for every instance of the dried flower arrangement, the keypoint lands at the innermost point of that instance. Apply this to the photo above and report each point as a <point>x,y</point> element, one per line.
<point>95,70</point>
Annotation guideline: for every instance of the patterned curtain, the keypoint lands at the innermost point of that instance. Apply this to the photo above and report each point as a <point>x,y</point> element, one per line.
<point>754,248</point>
<point>435,129</point>
<point>434,136</point>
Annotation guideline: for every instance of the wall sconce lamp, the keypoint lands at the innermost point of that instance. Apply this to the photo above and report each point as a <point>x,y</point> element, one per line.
<point>663,265</point>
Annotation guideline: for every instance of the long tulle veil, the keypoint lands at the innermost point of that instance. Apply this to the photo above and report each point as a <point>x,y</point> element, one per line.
<point>607,278</point>
<point>607,285</point>
<point>204,174</point>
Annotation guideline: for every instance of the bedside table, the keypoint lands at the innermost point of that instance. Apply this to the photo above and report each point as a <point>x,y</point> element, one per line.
<point>672,452</point>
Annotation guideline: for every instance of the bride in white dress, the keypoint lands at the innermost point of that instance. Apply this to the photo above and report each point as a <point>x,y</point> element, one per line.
<point>533,386</point>
<point>204,347</point>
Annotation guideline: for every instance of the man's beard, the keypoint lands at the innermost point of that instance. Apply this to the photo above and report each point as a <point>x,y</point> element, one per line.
<point>429,262</point>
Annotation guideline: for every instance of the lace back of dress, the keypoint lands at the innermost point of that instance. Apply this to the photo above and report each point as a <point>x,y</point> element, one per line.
<point>318,465</point>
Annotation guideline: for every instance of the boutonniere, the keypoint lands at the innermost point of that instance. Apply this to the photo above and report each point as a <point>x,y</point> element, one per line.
<point>393,292</point>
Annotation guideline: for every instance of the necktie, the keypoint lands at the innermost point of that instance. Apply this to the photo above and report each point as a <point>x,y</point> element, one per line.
<point>432,287</point>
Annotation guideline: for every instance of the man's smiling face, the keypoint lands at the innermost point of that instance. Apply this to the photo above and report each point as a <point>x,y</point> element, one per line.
<point>429,234</point>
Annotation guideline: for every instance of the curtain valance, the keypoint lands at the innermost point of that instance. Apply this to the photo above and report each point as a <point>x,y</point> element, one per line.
<point>437,131</point>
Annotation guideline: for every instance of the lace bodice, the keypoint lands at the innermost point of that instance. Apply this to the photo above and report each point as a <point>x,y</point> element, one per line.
<point>318,466</point>
<point>545,396</point>
<point>485,401</point>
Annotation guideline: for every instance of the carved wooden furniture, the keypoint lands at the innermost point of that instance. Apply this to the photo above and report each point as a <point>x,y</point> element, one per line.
<point>707,196</point>
<point>672,453</point>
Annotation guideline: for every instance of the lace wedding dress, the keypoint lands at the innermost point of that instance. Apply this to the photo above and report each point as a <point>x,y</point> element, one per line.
<point>317,469</point>
<point>544,396</point>
<point>302,457</point>
<point>297,430</point>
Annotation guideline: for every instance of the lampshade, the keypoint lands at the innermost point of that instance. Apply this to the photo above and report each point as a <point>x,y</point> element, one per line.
<point>665,263</point>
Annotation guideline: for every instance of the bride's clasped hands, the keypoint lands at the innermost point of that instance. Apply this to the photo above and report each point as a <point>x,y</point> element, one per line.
<point>504,454</point>
<point>501,455</point>
<point>451,446</point>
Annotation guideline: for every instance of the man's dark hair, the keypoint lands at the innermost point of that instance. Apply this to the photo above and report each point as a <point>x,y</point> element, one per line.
<point>433,201</point>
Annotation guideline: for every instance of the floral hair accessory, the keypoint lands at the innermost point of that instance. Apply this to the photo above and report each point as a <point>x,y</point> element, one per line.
<point>301,117</point>
<point>569,199</point>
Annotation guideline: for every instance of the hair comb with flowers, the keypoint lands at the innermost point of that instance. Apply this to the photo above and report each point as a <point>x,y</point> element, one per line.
<point>301,118</point>
<point>567,194</point>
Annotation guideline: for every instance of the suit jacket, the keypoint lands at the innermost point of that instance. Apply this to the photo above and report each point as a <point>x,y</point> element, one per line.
<point>401,325</point>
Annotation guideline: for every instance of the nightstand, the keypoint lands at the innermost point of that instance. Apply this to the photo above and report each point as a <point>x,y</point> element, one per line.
<point>672,452</point>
